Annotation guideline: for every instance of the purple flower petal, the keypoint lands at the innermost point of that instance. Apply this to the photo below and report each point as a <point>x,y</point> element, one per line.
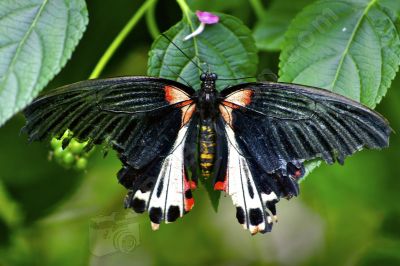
<point>207,17</point>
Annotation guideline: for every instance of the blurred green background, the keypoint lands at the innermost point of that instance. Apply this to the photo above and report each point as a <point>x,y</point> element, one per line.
<point>345,215</point>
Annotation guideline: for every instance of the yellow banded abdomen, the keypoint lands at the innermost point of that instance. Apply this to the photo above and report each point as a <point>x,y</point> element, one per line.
<point>207,148</point>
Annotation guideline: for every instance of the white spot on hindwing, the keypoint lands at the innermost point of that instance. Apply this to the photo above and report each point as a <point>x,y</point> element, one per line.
<point>240,184</point>
<point>142,195</point>
<point>169,188</point>
<point>268,197</point>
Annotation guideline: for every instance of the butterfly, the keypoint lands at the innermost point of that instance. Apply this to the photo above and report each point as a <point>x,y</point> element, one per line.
<point>250,139</point>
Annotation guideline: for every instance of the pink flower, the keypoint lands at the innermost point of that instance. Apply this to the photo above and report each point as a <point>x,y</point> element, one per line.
<point>205,18</point>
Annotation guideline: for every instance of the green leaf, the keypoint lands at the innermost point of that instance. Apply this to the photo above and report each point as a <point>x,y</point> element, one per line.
<point>37,37</point>
<point>349,47</point>
<point>227,48</point>
<point>32,186</point>
<point>309,167</point>
<point>269,32</point>
<point>213,195</point>
<point>392,5</point>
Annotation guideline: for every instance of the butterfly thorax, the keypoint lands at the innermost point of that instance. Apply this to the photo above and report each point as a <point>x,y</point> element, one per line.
<point>208,111</point>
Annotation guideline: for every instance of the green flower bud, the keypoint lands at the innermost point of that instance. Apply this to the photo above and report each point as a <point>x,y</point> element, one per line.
<point>55,143</point>
<point>68,158</point>
<point>58,152</point>
<point>76,147</point>
<point>81,164</point>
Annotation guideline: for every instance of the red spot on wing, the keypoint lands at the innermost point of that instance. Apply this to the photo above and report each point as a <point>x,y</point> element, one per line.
<point>221,185</point>
<point>235,100</point>
<point>187,112</point>
<point>247,95</point>
<point>189,200</point>
<point>226,113</point>
<point>181,99</point>
<point>192,185</point>
<point>184,103</point>
<point>189,203</point>
<point>188,184</point>
<point>239,98</point>
<point>298,174</point>
<point>175,95</point>
<point>230,105</point>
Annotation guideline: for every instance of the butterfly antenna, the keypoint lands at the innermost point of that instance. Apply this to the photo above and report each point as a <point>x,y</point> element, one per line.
<point>237,78</point>
<point>190,59</point>
<point>170,69</point>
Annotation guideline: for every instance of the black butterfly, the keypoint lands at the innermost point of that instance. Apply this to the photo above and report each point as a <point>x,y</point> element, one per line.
<point>251,138</point>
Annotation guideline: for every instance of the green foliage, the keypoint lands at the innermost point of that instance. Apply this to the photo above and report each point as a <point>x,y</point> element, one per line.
<point>227,48</point>
<point>270,30</point>
<point>351,48</point>
<point>392,5</point>
<point>32,186</point>
<point>36,40</point>
<point>346,215</point>
<point>355,54</point>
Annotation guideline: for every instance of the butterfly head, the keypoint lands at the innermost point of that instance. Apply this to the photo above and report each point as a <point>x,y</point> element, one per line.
<point>208,81</point>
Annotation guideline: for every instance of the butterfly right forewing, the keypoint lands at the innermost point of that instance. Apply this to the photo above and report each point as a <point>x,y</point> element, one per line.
<point>289,122</point>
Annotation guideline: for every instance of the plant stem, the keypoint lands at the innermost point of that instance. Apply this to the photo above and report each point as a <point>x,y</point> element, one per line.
<point>257,8</point>
<point>187,15</point>
<point>151,21</point>
<point>120,38</point>
<point>185,9</point>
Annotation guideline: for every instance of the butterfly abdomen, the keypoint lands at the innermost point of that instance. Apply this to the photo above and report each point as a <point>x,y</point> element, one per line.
<point>207,147</point>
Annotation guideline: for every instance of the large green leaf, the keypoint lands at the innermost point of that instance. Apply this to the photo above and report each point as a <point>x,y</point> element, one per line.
<point>37,37</point>
<point>393,5</point>
<point>226,48</point>
<point>349,47</point>
<point>270,31</point>
<point>35,184</point>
